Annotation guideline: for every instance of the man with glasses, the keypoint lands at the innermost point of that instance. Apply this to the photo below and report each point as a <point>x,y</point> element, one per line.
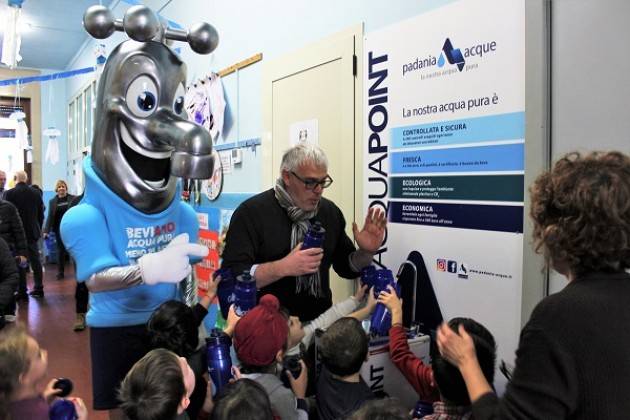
<point>267,230</point>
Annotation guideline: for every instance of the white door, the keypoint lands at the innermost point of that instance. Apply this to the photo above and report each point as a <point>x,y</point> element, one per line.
<point>317,89</point>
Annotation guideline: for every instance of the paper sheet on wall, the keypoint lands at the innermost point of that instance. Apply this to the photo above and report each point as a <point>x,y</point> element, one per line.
<point>226,161</point>
<point>304,131</point>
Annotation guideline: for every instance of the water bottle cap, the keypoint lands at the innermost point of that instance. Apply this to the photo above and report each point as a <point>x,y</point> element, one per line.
<point>65,385</point>
<point>246,276</point>
<point>369,270</point>
<point>316,226</point>
<point>217,337</point>
<point>225,273</point>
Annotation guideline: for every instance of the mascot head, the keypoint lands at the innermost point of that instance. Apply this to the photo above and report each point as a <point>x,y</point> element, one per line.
<point>142,138</point>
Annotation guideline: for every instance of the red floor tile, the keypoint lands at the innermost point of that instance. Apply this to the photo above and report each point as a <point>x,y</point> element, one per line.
<point>50,321</point>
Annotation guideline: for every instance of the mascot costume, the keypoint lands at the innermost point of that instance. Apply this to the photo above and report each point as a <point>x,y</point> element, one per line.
<point>131,236</point>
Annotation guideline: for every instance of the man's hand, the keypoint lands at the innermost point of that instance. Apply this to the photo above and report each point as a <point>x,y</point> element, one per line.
<point>301,261</point>
<point>371,236</point>
<point>172,264</point>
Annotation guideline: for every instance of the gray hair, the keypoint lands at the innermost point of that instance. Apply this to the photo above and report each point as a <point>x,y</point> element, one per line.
<point>21,176</point>
<point>303,153</point>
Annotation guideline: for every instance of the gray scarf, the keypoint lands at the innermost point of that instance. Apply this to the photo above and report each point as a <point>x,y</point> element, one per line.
<point>300,218</point>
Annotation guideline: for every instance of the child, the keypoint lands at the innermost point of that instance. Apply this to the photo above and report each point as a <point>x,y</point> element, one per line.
<point>340,388</point>
<point>381,409</point>
<point>260,340</point>
<point>24,393</point>
<point>242,399</point>
<point>440,383</point>
<point>158,386</point>
<point>175,327</point>
<point>299,334</point>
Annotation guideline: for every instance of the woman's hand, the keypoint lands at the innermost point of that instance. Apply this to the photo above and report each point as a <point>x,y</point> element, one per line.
<point>459,349</point>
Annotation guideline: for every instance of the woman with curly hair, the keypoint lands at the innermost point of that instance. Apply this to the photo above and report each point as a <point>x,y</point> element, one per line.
<point>573,358</point>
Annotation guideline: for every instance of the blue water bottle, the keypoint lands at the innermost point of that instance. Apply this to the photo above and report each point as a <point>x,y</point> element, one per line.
<point>219,362</point>
<point>244,293</point>
<point>62,410</point>
<point>368,275</point>
<point>381,320</point>
<point>314,237</point>
<point>225,290</point>
<point>422,409</point>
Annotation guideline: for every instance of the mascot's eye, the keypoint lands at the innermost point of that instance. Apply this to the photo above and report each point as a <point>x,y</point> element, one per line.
<point>142,97</point>
<point>146,101</point>
<point>178,103</point>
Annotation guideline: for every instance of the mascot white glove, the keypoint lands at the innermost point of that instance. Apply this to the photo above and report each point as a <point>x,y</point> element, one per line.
<point>171,264</point>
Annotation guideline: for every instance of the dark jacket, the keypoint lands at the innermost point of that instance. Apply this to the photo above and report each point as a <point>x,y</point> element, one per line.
<point>52,212</point>
<point>31,208</point>
<point>8,276</point>
<point>11,229</point>
<point>260,232</point>
<point>572,360</point>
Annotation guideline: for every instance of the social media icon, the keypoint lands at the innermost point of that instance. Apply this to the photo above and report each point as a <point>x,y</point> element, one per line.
<point>451,266</point>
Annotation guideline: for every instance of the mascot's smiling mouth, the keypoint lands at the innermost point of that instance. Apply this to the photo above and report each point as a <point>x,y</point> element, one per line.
<point>150,166</point>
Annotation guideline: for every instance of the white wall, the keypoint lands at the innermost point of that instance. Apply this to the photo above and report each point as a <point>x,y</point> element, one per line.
<point>590,80</point>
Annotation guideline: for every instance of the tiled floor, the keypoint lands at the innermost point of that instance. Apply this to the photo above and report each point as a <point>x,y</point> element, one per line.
<point>50,321</point>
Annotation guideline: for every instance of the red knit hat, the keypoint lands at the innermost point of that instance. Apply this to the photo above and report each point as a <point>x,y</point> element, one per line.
<point>261,333</point>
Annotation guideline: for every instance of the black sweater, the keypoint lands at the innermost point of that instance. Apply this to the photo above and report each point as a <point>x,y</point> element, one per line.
<point>30,207</point>
<point>573,360</point>
<point>260,232</point>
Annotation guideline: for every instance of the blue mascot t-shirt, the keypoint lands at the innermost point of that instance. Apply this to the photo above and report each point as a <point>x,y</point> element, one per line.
<point>104,231</point>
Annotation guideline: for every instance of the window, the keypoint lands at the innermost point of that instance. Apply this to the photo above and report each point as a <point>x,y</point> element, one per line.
<point>81,121</point>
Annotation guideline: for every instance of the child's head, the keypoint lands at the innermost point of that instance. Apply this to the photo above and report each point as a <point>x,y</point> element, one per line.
<point>158,386</point>
<point>344,347</point>
<point>172,326</point>
<point>447,376</point>
<point>296,330</point>
<point>242,399</point>
<point>23,365</point>
<point>260,337</point>
<point>381,409</point>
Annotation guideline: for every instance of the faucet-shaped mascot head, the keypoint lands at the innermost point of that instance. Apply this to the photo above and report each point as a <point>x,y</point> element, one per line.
<point>142,138</point>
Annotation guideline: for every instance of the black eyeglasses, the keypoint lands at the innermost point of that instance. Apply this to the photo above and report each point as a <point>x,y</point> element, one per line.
<point>311,183</point>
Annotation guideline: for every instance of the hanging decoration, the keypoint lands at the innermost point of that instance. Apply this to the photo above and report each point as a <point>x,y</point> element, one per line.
<point>12,39</point>
<point>52,147</point>
<point>205,104</point>
<point>21,129</point>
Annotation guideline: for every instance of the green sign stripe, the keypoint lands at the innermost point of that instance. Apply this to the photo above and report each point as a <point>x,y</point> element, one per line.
<point>462,187</point>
